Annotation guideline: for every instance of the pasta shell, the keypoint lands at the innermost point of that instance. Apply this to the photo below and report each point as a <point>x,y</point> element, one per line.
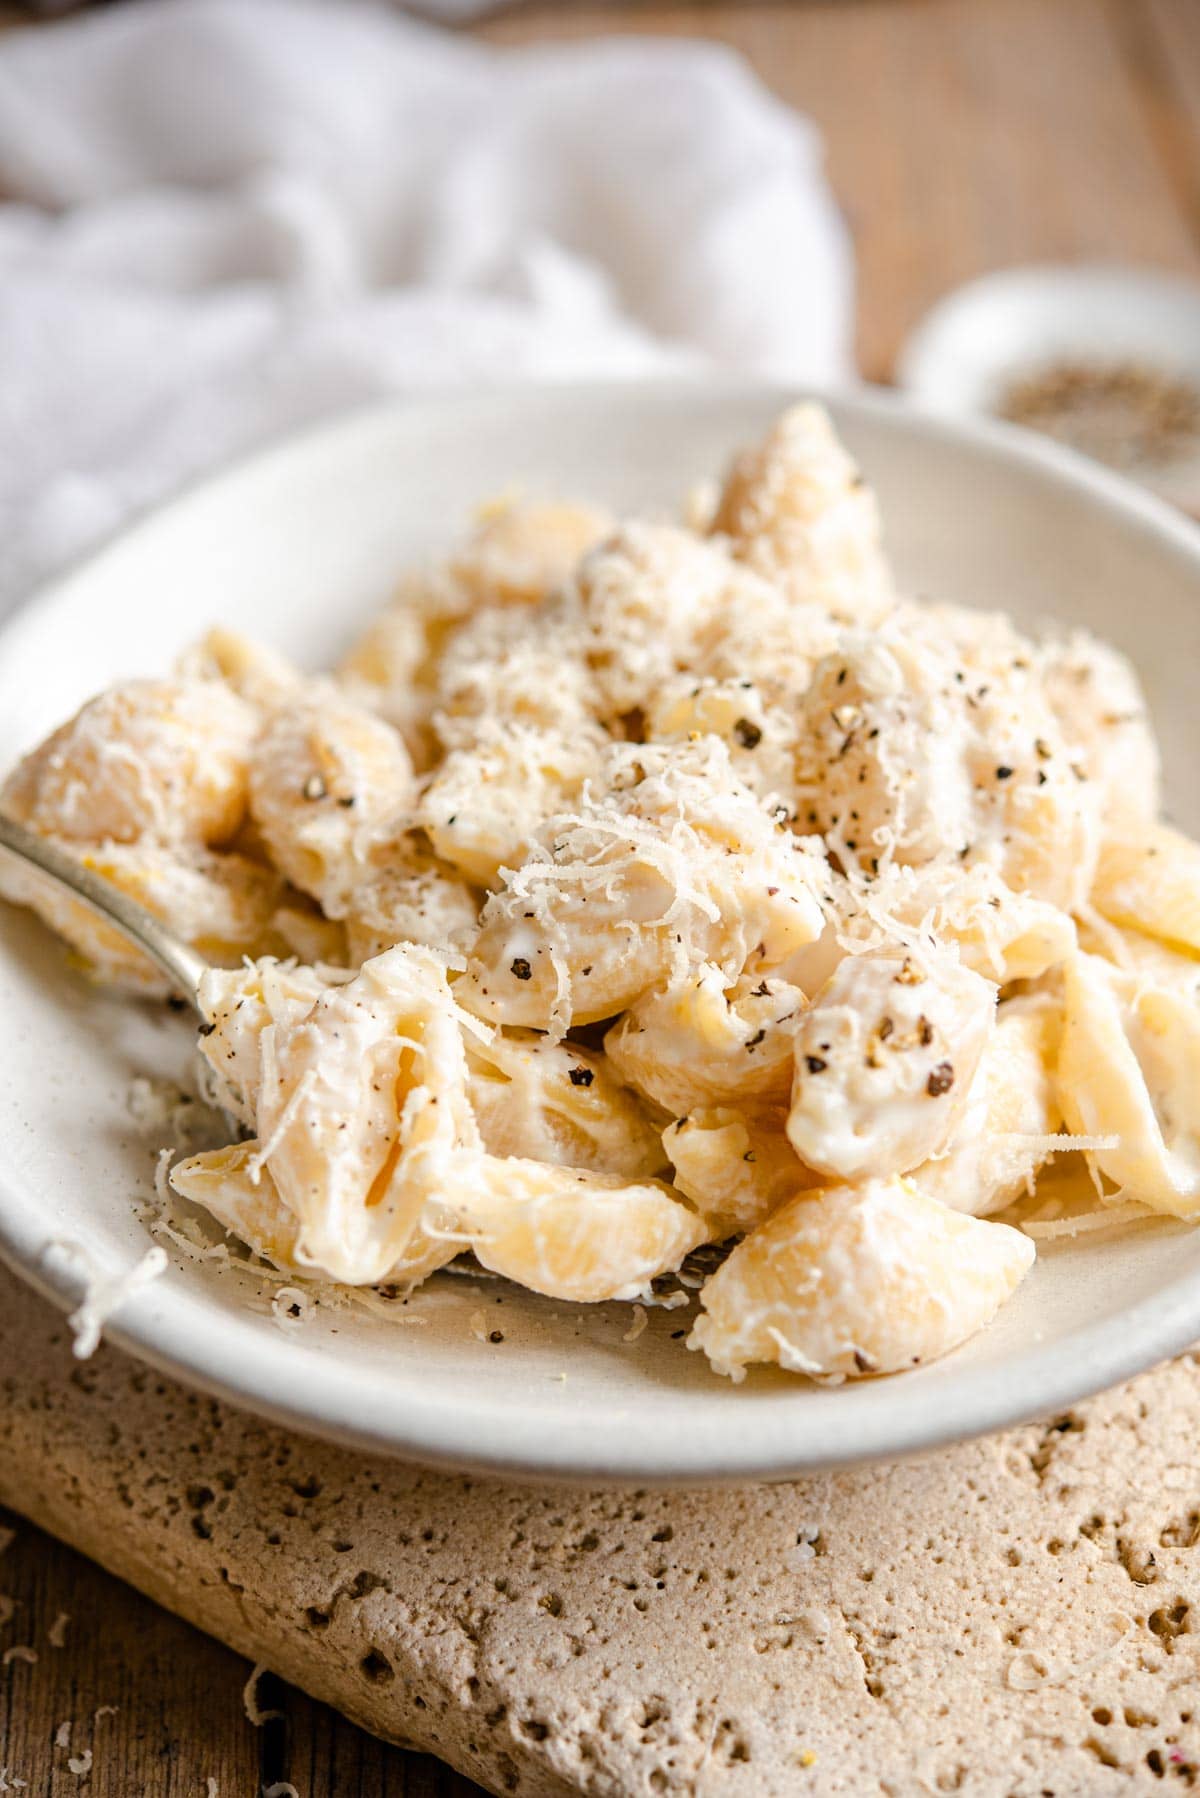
<point>1149,880</point>
<point>857,1280</point>
<point>573,1234</point>
<point>1129,1074</point>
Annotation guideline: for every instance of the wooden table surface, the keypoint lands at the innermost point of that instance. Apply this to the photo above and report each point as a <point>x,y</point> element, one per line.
<point>962,135</point>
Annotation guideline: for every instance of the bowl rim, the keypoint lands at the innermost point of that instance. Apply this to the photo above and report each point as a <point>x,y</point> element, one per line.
<point>1025,1387</point>
<point>1023,287</point>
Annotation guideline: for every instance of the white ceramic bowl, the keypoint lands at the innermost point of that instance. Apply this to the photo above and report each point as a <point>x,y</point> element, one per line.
<point>965,354</point>
<point>298,547</point>
<point>970,346</point>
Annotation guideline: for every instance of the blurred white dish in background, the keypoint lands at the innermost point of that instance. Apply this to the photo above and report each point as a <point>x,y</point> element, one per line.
<point>1018,324</point>
<point>297,548</point>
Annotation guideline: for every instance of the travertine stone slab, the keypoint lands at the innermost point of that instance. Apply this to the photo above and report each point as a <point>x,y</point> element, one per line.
<point>1016,1617</point>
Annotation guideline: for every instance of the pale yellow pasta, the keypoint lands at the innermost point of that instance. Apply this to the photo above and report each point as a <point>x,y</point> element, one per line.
<point>1007,1131</point>
<point>519,554</point>
<point>644,599</point>
<point>884,1061</point>
<point>1148,879</point>
<point>797,510</point>
<point>362,1113</point>
<point>408,896</point>
<point>1152,960</point>
<point>1128,1075</point>
<point>857,1280</point>
<point>911,749</point>
<point>1098,701</point>
<point>160,759</point>
<point>634,886</point>
<point>482,805</point>
<point>559,1103</point>
<point>1002,935</point>
<point>255,672</point>
<point>312,938</point>
<point>577,1235</point>
<point>504,667</point>
<point>236,1006</point>
<point>391,669</point>
<point>233,1186</point>
<point>327,781</point>
<point>523,549</point>
<point>735,1167</point>
<point>707,1040</point>
<point>676,863</point>
<point>760,736</point>
<point>776,643</point>
<point>298,1055</point>
<point>219,903</point>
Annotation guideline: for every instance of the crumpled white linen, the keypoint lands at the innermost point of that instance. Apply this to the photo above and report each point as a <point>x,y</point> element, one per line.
<point>224,218</point>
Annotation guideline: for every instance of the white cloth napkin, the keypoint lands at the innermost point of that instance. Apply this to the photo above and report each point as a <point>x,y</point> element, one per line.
<point>226,217</point>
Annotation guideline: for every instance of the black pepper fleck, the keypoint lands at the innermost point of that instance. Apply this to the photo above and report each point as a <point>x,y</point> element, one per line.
<point>521,969</point>
<point>940,1081</point>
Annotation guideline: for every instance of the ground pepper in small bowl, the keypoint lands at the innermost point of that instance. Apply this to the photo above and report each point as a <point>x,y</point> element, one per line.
<point>1129,414</point>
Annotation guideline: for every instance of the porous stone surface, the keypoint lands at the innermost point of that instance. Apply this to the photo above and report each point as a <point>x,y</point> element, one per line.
<point>1018,1617</point>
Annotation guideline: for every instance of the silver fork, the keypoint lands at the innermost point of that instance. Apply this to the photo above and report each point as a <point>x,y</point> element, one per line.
<point>181,964</point>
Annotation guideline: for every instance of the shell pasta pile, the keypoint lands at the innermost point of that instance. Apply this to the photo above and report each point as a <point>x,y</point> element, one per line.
<point>635,886</point>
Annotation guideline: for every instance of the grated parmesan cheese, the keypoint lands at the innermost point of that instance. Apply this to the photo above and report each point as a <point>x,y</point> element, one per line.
<point>104,1294</point>
<point>640,1320</point>
<point>1085,1223</point>
<point>1060,1142</point>
<point>250,1697</point>
<point>80,1764</point>
<point>291,1308</point>
<point>20,1651</point>
<point>56,1635</point>
<point>161,1109</point>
